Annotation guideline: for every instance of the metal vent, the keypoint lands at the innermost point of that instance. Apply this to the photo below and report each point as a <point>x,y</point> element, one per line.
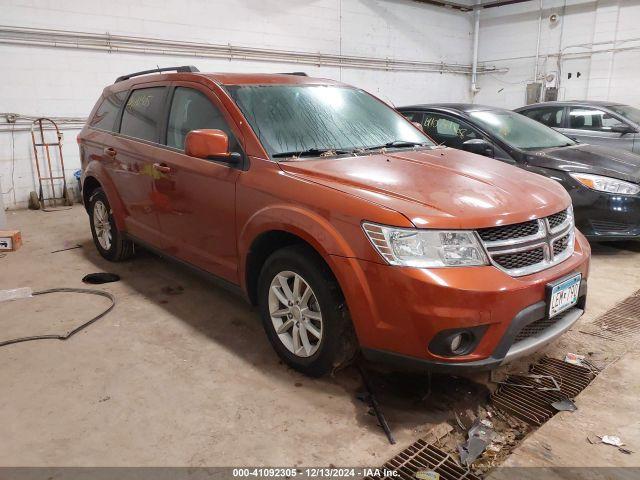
<point>529,398</point>
<point>622,322</point>
<point>509,232</point>
<point>520,259</point>
<point>537,327</point>
<point>606,226</point>
<point>423,457</point>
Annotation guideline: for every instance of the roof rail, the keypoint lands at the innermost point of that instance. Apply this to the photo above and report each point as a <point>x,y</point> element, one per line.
<point>184,68</point>
<point>299,74</point>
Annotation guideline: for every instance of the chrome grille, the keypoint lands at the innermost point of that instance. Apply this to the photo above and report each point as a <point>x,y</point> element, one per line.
<point>557,219</point>
<point>520,259</point>
<point>529,247</point>
<point>506,232</point>
<point>561,245</point>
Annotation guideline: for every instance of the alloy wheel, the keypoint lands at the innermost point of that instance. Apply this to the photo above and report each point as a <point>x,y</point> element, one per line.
<point>102,225</point>
<point>295,313</point>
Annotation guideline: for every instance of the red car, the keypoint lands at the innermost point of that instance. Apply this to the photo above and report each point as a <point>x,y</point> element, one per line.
<point>338,217</point>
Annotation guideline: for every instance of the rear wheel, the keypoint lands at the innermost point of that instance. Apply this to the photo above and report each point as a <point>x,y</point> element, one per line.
<point>110,242</point>
<point>303,311</point>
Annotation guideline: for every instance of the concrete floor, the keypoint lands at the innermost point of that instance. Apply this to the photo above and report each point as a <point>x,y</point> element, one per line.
<point>186,377</point>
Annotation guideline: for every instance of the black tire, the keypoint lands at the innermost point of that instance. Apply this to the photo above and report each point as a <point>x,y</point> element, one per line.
<point>120,247</point>
<point>338,343</point>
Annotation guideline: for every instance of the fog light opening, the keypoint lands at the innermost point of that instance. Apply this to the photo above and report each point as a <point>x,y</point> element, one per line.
<point>459,343</point>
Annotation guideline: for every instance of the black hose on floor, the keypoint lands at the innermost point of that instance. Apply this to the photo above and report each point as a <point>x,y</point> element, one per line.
<point>87,291</point>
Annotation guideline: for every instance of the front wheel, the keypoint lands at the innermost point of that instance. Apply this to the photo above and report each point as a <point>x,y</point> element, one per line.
<point>110,242</point>
<point>303,311</point>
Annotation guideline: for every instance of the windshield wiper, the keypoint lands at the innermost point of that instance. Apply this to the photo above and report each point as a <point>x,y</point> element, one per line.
<point>397,144</point>
<point>311,152</point>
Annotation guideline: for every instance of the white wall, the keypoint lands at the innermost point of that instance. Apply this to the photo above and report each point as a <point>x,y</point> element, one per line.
<point>63,82</point>
<point>508,37</point>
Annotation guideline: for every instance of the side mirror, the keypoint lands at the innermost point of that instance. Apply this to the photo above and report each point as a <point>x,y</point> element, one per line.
<point>622,129</point>
<point>479,147</point>
<point>419,126</point>
<point>210,144</point>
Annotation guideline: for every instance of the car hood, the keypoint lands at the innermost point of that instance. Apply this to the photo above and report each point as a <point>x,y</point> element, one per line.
<point>439,188</point>
<point>590,159</point>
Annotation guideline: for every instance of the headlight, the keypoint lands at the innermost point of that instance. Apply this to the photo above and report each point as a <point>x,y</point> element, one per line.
<point>606,184</point>
<point>426,248</point>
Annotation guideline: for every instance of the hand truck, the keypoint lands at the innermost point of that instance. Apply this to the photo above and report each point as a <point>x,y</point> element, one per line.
<point>46,174</point>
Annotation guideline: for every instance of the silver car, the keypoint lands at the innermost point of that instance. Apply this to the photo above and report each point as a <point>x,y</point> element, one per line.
<point>609,124</point>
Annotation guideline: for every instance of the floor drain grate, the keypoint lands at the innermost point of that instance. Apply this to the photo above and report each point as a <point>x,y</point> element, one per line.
<point>529,397</point>
<point>424,457</point>
<point>620,323</point>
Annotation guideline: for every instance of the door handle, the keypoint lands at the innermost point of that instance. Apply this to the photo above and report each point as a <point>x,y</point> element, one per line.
<point>110,151</point>
<point>161,168</point>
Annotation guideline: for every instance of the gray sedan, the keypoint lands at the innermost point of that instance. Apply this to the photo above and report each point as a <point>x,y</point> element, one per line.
<point>608,124</point>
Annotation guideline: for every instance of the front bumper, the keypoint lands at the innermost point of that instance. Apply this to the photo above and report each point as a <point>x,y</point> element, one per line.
<point>398,311</point>
<point>604,216</point>
<point>499,357</point>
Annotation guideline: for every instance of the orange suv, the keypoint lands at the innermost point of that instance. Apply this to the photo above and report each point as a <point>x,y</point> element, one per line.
<point>338,217</point>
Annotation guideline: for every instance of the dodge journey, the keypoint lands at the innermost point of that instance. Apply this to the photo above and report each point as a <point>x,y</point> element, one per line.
<point>342,221</point>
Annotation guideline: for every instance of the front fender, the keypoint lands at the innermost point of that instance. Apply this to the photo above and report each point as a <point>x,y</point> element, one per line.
<point>312,227</point>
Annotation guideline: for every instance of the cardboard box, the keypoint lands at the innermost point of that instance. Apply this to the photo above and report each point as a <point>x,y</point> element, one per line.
<point>10,240</point>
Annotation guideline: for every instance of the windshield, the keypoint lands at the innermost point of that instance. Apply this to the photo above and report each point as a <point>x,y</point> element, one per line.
<point>520,131</point>
<point>630,113</point>
<point>293,119</point>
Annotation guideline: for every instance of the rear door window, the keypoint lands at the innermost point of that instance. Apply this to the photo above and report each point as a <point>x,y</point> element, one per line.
<point>192,110</point>
<point>581,118</point>
<point>107,113</point>
<point>549,116</point>
<point>142,113</point>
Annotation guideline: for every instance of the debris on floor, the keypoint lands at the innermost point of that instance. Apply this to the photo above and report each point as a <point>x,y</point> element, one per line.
<point>565,405</point>
<point>612,440</point>
<point>574,359</point>
<point>437,433</point>
<point>66,248</point>
<point>369,397</point>
<point>100,277</point>
<point>479,436</point>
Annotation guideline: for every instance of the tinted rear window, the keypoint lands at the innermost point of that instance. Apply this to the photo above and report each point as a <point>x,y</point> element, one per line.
<point>107,112</point>
<point>141,115</point>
